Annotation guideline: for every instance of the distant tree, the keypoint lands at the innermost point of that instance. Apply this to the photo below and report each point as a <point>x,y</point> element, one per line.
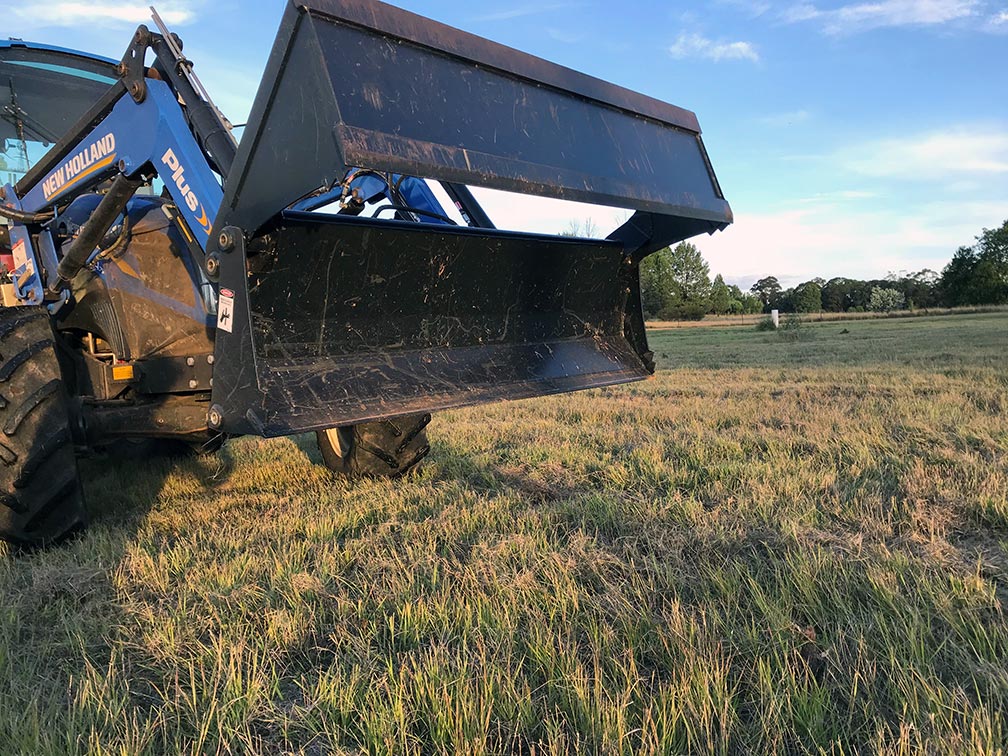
<point>992,270</point>
<point>768,290</point>
<point>978,274</point>
<point>658,287</point>
<point>586,229</point>
<point>957,278</point>
<point>836,295</point>
<point>807,297</point>
<point>860,295</point>
<point>690,273</point>
<point>720,296</point>
<point>675,283</point>
<point>921,289</point>
<point>785,302</point>
<point>686,311</point>
<point>742,303</point>
<point>884,299</point>
<point>751,304</point>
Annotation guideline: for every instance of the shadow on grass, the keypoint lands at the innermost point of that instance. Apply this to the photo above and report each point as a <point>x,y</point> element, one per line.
<point>60,607</point>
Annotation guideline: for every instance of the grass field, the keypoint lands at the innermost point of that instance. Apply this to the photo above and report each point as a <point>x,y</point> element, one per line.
<point>787,544</point>
<point>723,321</point>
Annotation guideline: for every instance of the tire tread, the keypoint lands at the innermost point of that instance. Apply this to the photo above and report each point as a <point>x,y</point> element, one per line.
<point>40,495</point>
<point>387,448</point>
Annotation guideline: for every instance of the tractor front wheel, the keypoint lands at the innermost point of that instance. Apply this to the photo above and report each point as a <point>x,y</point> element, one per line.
<point>40,493</point>
<point>381,449</point>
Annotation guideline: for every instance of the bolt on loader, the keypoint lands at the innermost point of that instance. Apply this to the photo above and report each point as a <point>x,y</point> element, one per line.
<point>332,271</point>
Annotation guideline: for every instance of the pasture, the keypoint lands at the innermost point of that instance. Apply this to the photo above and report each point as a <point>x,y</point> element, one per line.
<point>782,543</point>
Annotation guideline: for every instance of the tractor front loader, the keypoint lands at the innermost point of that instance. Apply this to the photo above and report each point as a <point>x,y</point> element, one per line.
<point>332,272</point>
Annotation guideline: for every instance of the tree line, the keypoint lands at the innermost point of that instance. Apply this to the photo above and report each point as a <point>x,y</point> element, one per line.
<point>676,285</point>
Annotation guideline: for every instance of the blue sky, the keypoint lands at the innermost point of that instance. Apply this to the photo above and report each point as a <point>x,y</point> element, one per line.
<point>851,138</point>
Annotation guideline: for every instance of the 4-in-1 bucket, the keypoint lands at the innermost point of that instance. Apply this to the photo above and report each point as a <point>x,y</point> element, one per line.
<point>336,319</point>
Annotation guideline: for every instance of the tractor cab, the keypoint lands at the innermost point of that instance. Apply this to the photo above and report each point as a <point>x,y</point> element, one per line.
<point>44,90</point>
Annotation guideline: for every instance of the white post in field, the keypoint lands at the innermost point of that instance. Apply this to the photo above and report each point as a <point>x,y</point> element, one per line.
<point>775,317</point>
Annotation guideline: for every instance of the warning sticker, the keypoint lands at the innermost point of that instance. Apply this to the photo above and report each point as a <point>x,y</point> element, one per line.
<point>225,310</point>
<point>21,260</point>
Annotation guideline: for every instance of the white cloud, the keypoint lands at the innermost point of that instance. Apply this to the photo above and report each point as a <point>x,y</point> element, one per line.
<point>78,14</point>
<point>862,230</point>
<point>999,20</point>
<point>752,8</point>
<point>566,36</point>
<point>883,13</point>
<point>697,46</point>
<point>909,203</point>
<point>830,240</point>
<point>828,235</point>
<point>801,12</point>
<point>525,10</point>
<point>787,118</point>
<point>936,155</point>
<point>842,195</point>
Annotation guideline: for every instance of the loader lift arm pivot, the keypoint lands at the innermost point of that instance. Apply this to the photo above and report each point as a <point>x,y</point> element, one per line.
<point>143,131</point>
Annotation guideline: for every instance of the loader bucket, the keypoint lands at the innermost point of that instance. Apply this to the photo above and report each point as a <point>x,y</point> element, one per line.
<point>336,319</point>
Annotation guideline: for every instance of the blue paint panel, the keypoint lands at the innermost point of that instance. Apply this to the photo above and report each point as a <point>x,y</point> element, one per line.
<point>30,290</point>
<point>47,253</point>
<point>154,132</point>
<point>117,279</point>
<point>414,190</point>
<point>419,195</point>
<point>132,136</point>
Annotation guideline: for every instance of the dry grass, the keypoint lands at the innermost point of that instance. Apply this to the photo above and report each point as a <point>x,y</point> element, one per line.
<point>774,546</point>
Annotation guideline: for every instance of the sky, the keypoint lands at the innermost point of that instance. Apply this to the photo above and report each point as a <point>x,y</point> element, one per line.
<point>850,138</point>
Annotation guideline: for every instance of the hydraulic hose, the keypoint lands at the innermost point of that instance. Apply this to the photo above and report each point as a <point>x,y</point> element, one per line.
<point>95,228</point>
<point>20,216</point>
<point>120,242</point>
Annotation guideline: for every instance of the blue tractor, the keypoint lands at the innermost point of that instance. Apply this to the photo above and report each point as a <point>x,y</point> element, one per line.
<point>164,283</point>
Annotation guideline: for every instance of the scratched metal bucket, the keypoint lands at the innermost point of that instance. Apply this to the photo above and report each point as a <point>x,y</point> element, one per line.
<point>339,319</point>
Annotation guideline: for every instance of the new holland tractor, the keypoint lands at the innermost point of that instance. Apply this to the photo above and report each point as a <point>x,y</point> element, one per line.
<point>332,271</point>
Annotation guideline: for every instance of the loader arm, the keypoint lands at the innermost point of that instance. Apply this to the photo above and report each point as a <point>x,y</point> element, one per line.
<point>133,137</point>
<point>134,131</point>
<point>130,141</point>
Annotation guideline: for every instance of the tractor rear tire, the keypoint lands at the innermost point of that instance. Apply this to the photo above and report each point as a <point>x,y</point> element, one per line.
<point>40,492</point>
<point>382,449</point>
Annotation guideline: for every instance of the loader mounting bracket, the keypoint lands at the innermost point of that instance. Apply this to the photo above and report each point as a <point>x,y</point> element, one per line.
<point>131,69</point>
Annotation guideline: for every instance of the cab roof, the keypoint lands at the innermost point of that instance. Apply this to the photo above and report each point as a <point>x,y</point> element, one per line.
<point>45,89</point>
